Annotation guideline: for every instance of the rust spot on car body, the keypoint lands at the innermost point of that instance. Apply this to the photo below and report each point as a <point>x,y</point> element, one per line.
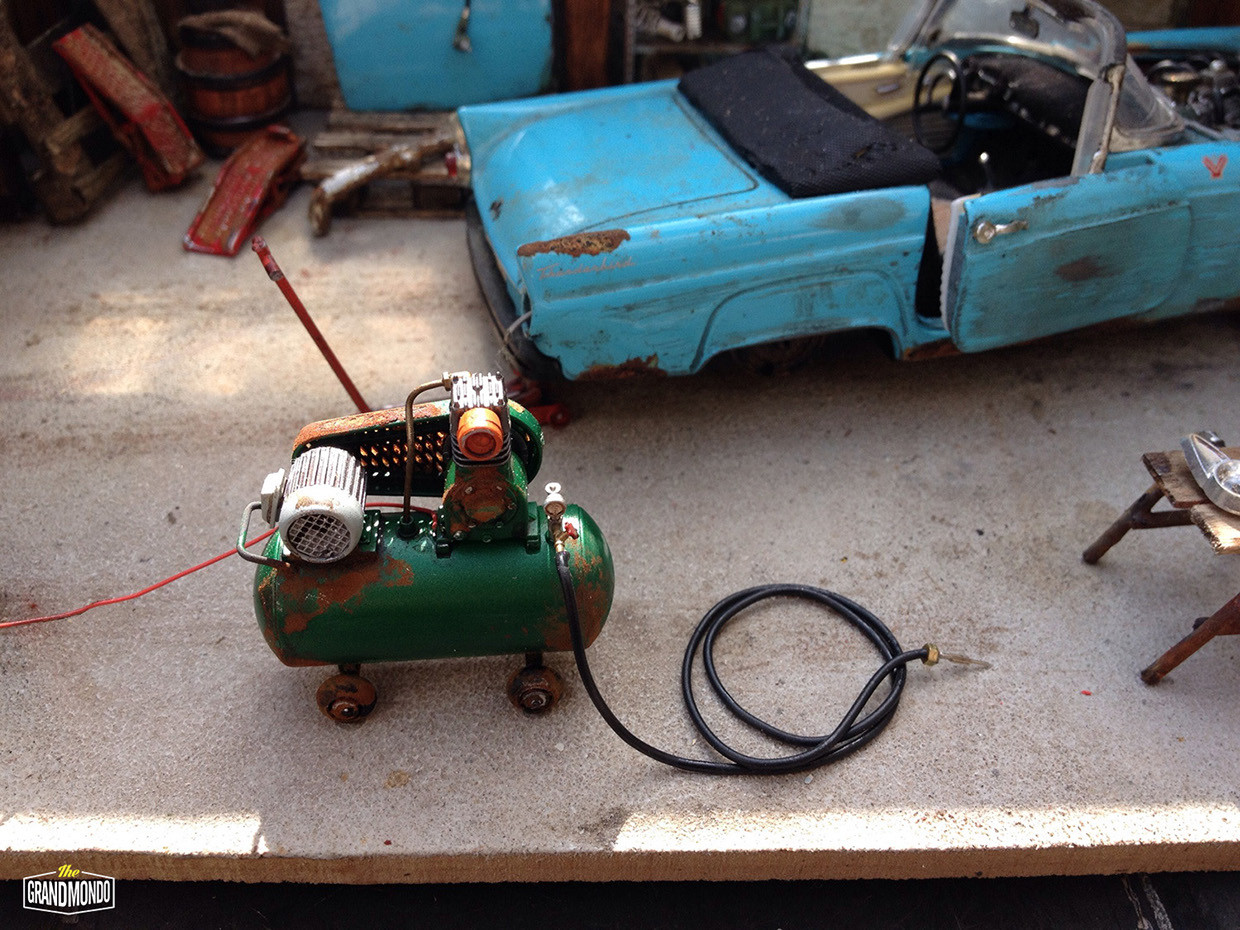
<point>940,348</point>
<point>578,244</point>
<point>1083,269</point>
<point>632,368</point>
<point>1214,304</point>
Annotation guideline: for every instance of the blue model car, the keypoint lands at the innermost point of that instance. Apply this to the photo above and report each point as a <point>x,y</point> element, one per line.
<point>1004,171</point>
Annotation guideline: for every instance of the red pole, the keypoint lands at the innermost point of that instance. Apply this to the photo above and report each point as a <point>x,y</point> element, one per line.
<point>274,272</point>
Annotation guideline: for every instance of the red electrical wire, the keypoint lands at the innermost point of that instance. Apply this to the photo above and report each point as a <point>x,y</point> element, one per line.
<point>166,581</point>
<point>130,597</point>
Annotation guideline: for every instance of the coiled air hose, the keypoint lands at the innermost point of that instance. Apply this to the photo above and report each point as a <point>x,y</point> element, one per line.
<point>814,751</point>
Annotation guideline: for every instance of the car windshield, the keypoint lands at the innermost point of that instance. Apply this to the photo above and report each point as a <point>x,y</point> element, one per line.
<point>1075,35</point>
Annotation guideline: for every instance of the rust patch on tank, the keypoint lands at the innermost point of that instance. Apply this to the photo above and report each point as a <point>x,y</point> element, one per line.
<point>1083,269</point>
<point>295,662</point>
<point>593,603</point>
<point>632,368</point>
<point>398,574</point>
<point>578,244</point>
<point>281,653</point>
<point>308,591</point>
<point>309,586</point>
<point>594,589</point>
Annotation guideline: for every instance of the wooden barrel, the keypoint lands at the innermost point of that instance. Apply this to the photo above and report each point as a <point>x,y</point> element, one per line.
<point>230,94</point>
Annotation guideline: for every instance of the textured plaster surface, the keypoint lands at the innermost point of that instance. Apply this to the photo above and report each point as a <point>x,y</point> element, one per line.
<point>314,68</point>
<point>146,391</point>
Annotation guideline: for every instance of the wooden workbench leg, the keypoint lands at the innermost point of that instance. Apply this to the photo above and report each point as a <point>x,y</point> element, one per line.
<point>1131,517</point>
<point>1223,622</point>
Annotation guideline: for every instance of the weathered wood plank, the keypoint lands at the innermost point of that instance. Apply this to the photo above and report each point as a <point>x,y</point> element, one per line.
<point>388,122</point>
<point>1171,472</point>
<point>1220,527</point>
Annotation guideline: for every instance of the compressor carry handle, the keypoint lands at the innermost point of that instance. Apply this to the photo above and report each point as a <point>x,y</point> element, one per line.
<point>242,542</point>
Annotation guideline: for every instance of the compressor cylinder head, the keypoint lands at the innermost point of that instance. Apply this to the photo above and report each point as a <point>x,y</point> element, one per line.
<point>478,413</point>
<point>323,506</point>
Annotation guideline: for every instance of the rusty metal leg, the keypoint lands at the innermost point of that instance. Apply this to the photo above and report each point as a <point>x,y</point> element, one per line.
<point>347,697</point>
<point>1223,622</point>
<point>534,688</point>
<point>1136,517</point>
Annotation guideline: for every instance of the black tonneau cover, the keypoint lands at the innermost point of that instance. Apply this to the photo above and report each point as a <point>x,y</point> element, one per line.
<point>798,131</point>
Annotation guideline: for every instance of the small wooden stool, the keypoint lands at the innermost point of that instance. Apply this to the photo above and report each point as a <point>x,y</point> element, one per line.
<point>1174,481</point>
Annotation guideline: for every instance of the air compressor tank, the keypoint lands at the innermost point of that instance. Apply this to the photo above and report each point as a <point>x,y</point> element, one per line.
<point>349,578</point>
<point>394,600</point>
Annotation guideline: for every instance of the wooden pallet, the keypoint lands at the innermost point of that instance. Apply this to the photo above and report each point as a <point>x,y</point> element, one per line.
<point>428,190</point>
<point>76,159</point>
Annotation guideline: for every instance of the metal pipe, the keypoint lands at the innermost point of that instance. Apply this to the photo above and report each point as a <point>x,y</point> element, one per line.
<point>1136,517</point>
<point>276,275</point>
<point>406,517</point>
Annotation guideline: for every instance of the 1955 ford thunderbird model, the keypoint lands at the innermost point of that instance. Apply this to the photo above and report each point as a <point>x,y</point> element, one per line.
<point>1003,171</point>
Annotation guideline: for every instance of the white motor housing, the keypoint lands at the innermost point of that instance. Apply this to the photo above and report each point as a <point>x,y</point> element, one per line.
<point>322,507</point>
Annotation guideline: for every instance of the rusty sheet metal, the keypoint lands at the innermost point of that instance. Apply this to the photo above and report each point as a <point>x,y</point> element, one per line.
<point>378,439</point>
<point>487,494</point>
<point>252,184</point>
<point>578,244</point>
<point>141,118</point>
<point>928,350</point>
<point>632,368</point>
<point>357,422</point>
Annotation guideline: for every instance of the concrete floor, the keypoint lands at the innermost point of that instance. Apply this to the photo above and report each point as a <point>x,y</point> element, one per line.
<point>146,392</point>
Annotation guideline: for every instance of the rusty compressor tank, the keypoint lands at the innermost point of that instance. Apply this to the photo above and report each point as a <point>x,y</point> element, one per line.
<point>349,578</point>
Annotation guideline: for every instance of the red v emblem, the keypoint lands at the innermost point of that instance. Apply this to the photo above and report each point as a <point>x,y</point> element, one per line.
<point>1215,165</point>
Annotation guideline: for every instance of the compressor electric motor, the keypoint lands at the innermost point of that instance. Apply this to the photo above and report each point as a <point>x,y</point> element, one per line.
<point>348,578</point>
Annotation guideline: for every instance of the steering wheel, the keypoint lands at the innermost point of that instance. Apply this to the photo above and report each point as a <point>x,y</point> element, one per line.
<point>937,122</point>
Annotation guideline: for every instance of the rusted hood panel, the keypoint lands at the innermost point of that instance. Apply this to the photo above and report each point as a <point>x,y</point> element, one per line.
<point>603,160</point>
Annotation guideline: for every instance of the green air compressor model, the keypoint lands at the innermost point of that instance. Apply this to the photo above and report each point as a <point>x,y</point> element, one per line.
<point>348,577</point>
<point>354,572</point>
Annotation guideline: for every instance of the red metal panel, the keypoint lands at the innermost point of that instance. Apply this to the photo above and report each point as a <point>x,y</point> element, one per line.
<point>141,117</point>
<point>253,182</point>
